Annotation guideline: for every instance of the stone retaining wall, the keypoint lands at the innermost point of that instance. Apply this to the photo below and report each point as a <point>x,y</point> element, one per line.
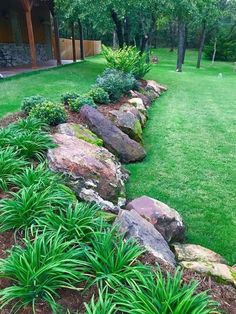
<point>12,54</point>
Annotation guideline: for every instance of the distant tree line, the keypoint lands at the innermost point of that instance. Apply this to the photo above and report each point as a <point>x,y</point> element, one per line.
<point>208,25</point>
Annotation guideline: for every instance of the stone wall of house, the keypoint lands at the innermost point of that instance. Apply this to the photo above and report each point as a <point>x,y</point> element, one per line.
<point>12,54</point>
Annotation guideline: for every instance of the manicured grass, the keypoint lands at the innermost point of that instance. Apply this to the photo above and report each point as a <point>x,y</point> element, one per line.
<point>191,151</point>
<point>189,138</point>
<point>49,83</point>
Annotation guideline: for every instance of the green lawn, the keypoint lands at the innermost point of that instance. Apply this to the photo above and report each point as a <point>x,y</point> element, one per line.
<point>189,138</point>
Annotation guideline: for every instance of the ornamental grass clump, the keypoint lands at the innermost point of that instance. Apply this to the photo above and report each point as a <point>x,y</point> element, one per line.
<point>75,222</point>
<point>152,293</point>
<point>103,305</point>
<point>10,164</point>
<point>111,259</point>
<point>38,270</point>
<point>30,124</point>
<point>21,210</point>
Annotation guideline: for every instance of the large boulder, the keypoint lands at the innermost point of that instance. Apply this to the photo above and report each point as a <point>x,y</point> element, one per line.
<point>165,219</point>
<point>79,131</point>
<point>116,141</point>
<point>221,272</point>
<point>134,226</point>
<point>128,122</point>
<point>90,170</point>
<point>194,252</point>
<point>138,104</point>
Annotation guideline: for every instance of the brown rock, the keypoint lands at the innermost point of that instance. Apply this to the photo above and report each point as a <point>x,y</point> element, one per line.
<point>165,219</point>
<point>145,99</point>
<point>88,168</point>
<point>116,141</point>
<point>151,84</point>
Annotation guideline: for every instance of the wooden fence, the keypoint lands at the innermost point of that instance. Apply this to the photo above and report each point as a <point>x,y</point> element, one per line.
<point>91,48</point>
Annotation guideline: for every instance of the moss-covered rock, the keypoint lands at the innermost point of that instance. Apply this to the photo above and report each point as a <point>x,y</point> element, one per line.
<point>80,132</point>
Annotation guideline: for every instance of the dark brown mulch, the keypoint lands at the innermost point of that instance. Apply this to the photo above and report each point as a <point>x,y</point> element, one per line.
<point>11,118</point>
<point>225,295</point>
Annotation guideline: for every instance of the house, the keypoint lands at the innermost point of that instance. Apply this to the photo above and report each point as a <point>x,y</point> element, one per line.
<point>28,32</point>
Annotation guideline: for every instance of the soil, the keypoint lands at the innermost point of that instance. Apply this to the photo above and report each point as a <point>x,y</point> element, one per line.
<point>11,118</point>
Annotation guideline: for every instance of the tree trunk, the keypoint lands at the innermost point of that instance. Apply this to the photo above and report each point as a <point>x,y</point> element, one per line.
<point>201,46</point>
<point>185,43</point>
<point>172,40</point>
<point>81,36</point>
<point>73,41</point>
<point>181,38</point>
<point>214,52</point>
<point>126,31</point>
<point>119,28</point>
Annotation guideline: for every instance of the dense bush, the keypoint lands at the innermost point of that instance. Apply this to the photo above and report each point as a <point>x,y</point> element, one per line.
<point>29,103</point>
<point>38,269</point>
<point>66,97</point>
<point>99,95</point>
<point>76,104</point>
<point>153,293</point>
<point>127,59</point>
<point>116,83</point>
<point>49,113</point>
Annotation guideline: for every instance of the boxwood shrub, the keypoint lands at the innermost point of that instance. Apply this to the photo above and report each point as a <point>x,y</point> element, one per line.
<point>49,113</point>
<point>99,95</point>
<point>76,104</point>
<point>29,103</point>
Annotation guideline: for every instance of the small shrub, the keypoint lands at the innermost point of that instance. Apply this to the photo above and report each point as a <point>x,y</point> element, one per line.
<point>76,104</point>
<point>10,164</point>
<point>76,223</point>
<point>99,95</point>
<point>31,144</point>
<point>152,293</point>
<point>49,113</point>
<point>66,97</point>
<point>38,270</point>
<point>128,60</point>
<point>111,260</point>
<point>29,103</point>
<point>116,83</point>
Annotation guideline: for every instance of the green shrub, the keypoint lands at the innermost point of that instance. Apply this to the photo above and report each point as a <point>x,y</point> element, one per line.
<point>38,270</point>
<point>76,104</point>
<point>49,113</point>
<point>226,49</point>
<point>76,223</point>
<point>152,293</point>
<point>111,260</point>
<point>29,103</point>
<point>66,97</point>
<point>31,144</point>
<point>116,83</point>
<point>99,95</point>
<point>127,59</point>
<point>10,165</point>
